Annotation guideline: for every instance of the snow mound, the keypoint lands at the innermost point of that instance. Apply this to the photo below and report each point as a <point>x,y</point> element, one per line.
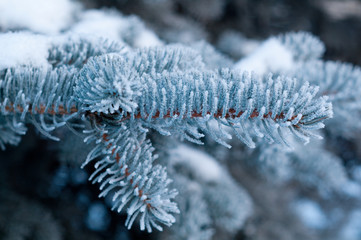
<point>129,29</point>
<point>206,167</point>
<point>42,16</point>
<point>23,48</point>
<point>270,56</point>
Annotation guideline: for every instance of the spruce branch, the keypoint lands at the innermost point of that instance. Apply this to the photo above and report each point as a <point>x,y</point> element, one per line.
<point>340,82</point>
<point>120,95</point>
<point>75,51</point>
<point>173,102</point>
<point>41,96</point>
<point>126,170</point>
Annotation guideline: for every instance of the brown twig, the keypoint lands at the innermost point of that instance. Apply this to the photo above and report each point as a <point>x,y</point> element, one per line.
<point>127,173</point>
<point>41,110</point>
<point>230,114</point>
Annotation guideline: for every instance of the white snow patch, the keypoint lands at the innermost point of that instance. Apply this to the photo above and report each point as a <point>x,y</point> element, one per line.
<point>352,189</point>
<point>352,228</point>
<point>43,16</point>
<point>147,38</point>
<point>249,46</point>
<point>100,23</point>
<point>23,48</point>
<point>203,165</point>
<point>112,25</point>
<point>236,44</point>
<point>270,56</point>
<point>310,213</point>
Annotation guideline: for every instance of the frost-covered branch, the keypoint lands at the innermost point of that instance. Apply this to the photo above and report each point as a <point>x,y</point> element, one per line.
<point>118,95</point>
<point>183,100</point>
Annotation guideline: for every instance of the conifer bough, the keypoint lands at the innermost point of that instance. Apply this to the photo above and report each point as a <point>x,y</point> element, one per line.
<point>118,95</point>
